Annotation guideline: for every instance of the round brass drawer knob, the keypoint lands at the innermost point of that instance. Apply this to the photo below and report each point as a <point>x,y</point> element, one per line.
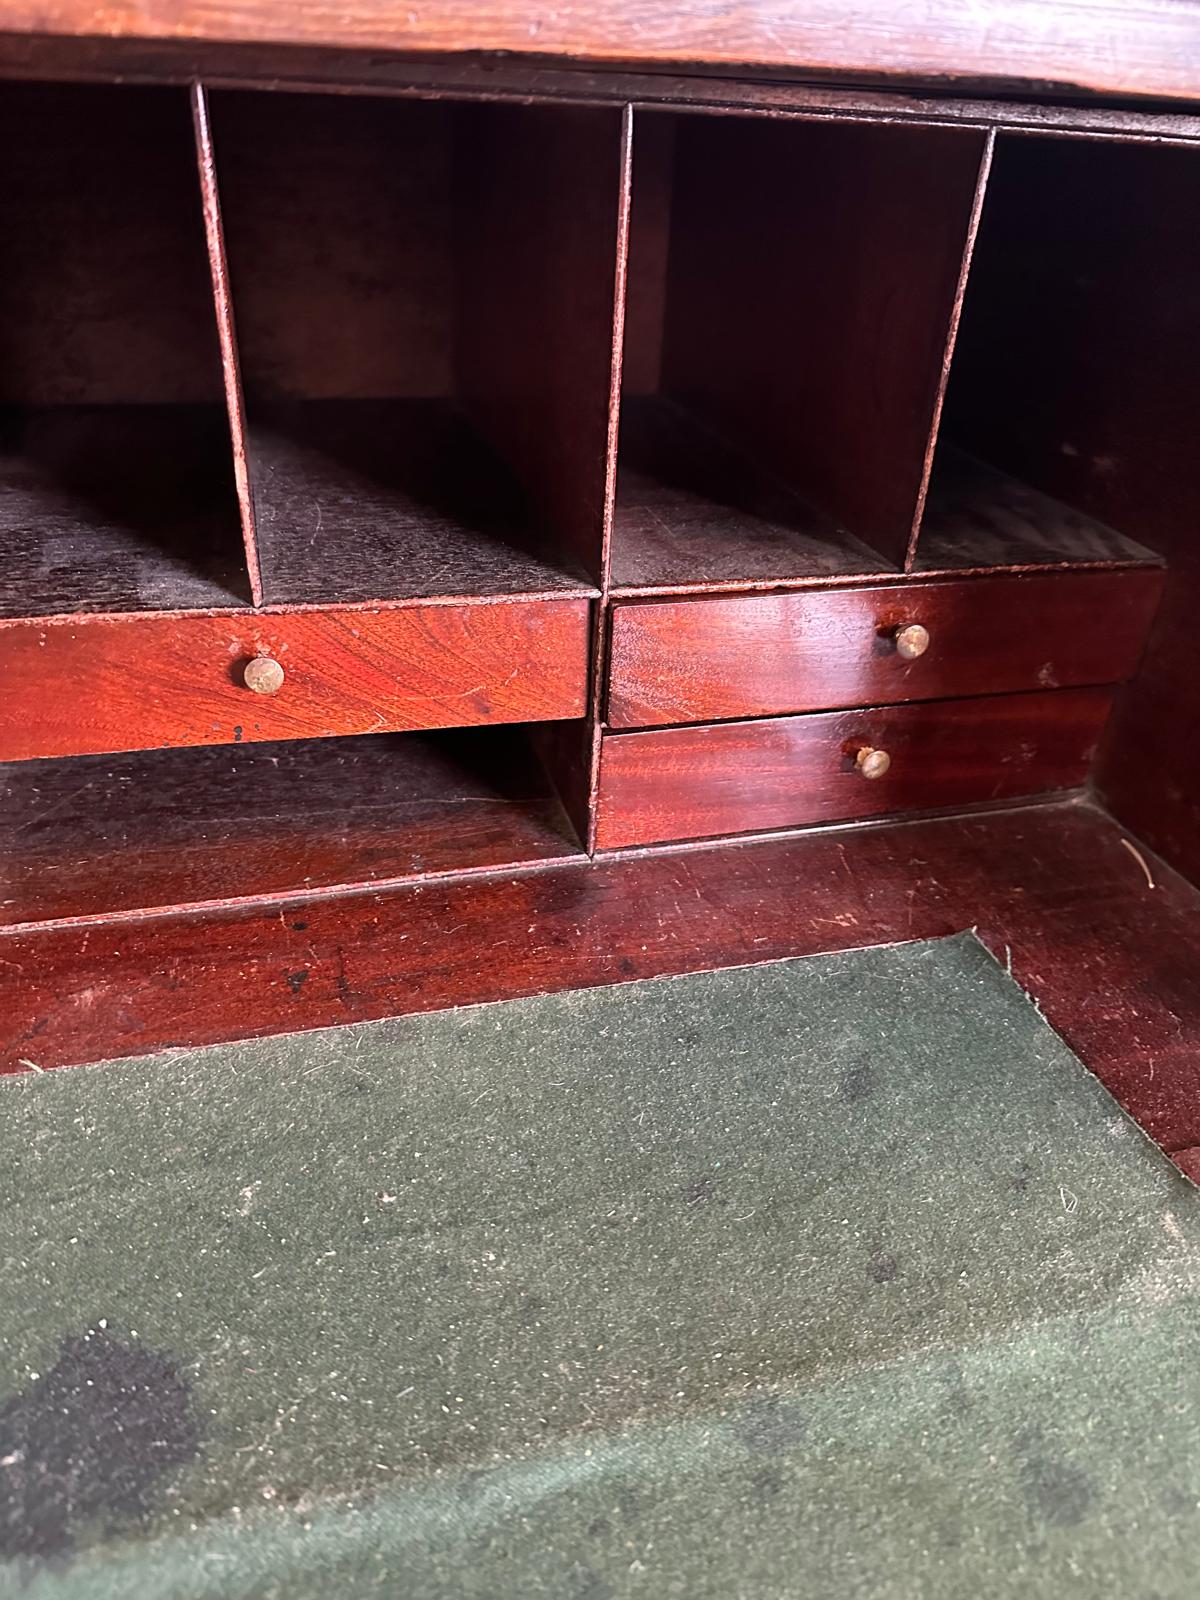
<point>912,641</point>
<point>872,763</point>
<point>263,674</point>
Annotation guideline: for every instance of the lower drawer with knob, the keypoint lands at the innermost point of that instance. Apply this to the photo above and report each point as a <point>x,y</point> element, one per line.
<point>712,659</point>
<point>786,772</point>
<point>91,684</point>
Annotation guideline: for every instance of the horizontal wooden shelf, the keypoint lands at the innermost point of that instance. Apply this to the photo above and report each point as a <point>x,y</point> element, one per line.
<point>359,500</point>
<point>169,828</point>
<point>692,510</point>
<point>979,517</point>
<point>118,508</point>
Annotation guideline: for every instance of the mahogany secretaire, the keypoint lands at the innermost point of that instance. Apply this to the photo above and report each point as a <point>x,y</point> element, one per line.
<point>492,503</point>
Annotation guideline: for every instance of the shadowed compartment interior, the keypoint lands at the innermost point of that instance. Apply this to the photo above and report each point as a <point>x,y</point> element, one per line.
<point>790,290</point>
<point>98,835</point>
<point>116,473</point>
<point>1068,432</point>
<point>424,298</point>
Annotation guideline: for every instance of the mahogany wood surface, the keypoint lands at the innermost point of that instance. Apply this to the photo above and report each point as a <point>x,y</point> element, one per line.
<point>93,835</point>
<point>359,500</point>
<point>1151,48</point>
<point>116,477</point>
<point>807,321</point>
<point>231,371</point>
<point>693,510</point>
<point>105,295</point>
<point>978,517</point>
<point>384,258</point>
<point>338,214</point>
<point>90,684</point>
<point>118,508</point>
<point>1109,949</point>
<point>310,69</point>
<point>749,777</point>
<point>1076,370</point>
<point>813,272</point>
<point>707,660</point>
<point>539,201</point>
<point>1135,219</point>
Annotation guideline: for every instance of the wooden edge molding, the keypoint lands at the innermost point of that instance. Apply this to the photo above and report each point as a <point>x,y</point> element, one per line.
<point>1105,47</point>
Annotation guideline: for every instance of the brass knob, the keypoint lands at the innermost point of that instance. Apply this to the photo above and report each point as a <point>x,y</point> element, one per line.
<point>911,641</point>
<point>872,763</point>
<point>263,674</point>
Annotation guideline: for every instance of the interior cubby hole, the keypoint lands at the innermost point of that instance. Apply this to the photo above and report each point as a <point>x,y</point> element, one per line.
<point>423,298</point>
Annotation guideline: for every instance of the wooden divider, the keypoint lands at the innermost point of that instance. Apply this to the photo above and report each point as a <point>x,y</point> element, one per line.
<point>115,464</point>
<point>1048,455</point>
<point>230,366</point>
<point>805,281</point>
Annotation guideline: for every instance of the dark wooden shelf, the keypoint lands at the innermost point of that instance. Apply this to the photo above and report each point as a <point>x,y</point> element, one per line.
<point>96,834</point>
<point>118,508</point>
<point>979,517</point>
<point>360,500</point>
<point>693,511</point>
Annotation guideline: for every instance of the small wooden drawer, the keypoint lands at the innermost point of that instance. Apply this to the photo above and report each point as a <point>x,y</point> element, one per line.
<point>818,649</point>
<point>787,772</point>
<point>82,685</point>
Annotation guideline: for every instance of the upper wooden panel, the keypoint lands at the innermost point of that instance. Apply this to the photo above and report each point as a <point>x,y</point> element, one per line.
<point>86,684</point>
<point>1109,46</point>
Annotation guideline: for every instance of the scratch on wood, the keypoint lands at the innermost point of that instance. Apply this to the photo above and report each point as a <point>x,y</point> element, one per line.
<point>1141,861</point>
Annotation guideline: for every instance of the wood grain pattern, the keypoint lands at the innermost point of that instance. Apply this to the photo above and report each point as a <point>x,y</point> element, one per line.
<point>93,684</point>
<point>90,836</point>
<point>308,68</point>
<point>1076,370</point>
<point>787,772</point>
<point>706,660</point>
<point>1052,890</point>
<point>812,280</point>
<point>1150,48</point>
<point>538,210</point>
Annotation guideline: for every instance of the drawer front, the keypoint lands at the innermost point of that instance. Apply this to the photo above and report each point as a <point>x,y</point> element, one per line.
<point>746,777</point>
<point>74,686</point>
<point>818,649</point>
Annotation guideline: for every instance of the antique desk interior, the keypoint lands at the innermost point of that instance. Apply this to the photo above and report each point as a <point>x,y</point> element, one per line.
<point>474,527</point>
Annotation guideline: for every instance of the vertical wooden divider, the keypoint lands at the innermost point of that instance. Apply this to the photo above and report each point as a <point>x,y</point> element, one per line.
<point>985,167</point>
<point>812,271</point>
<point>231,371</point>
<point>543,200</point>
<point>600,628</point>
